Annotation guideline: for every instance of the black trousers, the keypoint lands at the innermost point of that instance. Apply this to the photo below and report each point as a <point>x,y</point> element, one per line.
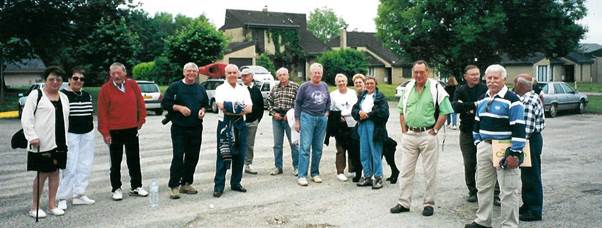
<point>186,143</point>
<point>354,156</point>
<point>129,139</point>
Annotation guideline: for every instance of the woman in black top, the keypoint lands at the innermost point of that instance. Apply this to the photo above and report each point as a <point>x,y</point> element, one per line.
<point>44,124</point>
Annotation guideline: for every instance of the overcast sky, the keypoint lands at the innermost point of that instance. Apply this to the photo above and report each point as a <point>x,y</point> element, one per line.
<point>358,14</point>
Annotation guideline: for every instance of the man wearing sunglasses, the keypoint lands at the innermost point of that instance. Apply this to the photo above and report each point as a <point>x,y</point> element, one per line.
<point>499,115</point>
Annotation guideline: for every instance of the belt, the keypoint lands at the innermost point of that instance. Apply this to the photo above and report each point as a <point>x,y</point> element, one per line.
<point>419,129</point>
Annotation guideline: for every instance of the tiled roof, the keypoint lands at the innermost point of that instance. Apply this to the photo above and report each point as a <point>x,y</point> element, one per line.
<point>589,47</point>
<point>529,60</point>
<point>26,65</point>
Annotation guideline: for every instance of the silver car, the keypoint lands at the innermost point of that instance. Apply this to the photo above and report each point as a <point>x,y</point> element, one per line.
<point>558,96</point>
<point>210,85</point>
<point>152,96</point>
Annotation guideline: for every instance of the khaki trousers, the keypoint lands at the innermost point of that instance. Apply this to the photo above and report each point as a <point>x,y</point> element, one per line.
<point>510,187</point>
<point>415,144</point>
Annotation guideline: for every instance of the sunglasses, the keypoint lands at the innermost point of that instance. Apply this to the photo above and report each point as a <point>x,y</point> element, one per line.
<point>75,78</point>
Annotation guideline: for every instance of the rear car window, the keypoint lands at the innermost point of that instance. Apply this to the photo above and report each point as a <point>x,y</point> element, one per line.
<point>148,88</point>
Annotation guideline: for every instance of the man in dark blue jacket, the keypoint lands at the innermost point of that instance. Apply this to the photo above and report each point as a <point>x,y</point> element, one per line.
<point>185,100</point>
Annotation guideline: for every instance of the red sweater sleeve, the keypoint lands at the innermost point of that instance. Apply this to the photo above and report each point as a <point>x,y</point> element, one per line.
<point>103,111</point>
<point>140,103</point>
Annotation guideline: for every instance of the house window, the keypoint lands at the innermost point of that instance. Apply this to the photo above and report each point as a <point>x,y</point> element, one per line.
<point>370,71</point>
<point>542,73</point>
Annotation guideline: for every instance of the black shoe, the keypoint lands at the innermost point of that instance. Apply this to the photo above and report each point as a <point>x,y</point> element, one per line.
<point>399,209</point>
<point>217,194</point>
<point>496,201</point>
<point>529,216</point>
<point>356,179</point>
<point>377,183</point>
<point>475,225</point>
<point>365,181</point>
<point>239,188</point>
<point>428,211</point>
<point>393,177</point>
<point>472,198</point>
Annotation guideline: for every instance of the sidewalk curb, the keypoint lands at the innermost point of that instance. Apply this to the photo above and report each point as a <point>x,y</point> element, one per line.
<point>9,115</point>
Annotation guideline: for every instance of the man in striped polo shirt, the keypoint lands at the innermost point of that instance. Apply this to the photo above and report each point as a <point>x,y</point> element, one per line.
<point>499,116</point>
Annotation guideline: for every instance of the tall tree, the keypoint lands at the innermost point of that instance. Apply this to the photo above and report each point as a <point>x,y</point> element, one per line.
<point>347,61</point>
<point>325,24</point>
<point>451,34</point>
<point>112,41</point>
<point>198,42</point>
<point>52,26</point>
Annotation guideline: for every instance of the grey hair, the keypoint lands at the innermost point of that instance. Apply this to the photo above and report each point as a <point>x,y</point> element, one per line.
<point>316,66</point>
<point>497,68</point>
<point>231,66</point>
<point>522,79</point>
<point>118,64</point>
<point>190,65</point>
<point>281,70</point>
<point>336,78</point>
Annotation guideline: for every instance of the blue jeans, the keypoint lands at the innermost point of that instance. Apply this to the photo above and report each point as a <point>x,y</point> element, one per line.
<point>452,119</point>
<point>313,131</point>
<point>238,157</point>
<point>532,191</point>
<point>280,127</point>
<point>370,151</point>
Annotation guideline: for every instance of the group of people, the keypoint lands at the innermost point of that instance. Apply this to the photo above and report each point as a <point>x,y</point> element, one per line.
<point>59,129</point>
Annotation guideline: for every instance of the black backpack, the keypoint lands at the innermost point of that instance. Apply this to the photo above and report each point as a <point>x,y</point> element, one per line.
<point>18,140</point>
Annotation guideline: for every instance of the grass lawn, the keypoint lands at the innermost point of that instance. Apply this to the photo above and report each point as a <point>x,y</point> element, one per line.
<point>588,87</point>
<point>594,105</point>
<point>386,89</point>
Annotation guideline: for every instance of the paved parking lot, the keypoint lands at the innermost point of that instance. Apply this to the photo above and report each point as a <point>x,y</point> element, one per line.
<point>572,176</point>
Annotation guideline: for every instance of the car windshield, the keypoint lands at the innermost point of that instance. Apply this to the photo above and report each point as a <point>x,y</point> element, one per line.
<point>258,70</point>
<point>148,88</point>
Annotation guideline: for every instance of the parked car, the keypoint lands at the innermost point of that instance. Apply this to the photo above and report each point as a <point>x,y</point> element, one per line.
<point>260,73</point>
<point>152,96</point>
<point>265,88</point>
<point>37,85</point>
<point>401,88</point>
<point>210,85</point>
<point>558,96</point>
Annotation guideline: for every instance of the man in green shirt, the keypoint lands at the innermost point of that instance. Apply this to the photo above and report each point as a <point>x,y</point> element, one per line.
<point>423,110</point>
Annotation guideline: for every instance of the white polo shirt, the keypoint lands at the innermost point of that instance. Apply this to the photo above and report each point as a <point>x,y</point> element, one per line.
<point>225,92</point>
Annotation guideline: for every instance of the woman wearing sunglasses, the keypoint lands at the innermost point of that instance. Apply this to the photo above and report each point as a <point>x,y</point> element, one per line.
<point>81,143</point>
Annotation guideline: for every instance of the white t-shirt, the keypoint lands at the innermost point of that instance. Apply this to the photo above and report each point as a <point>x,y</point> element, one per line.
<point>344,103</point>
<point>367,103</point>
<point>225,92</point>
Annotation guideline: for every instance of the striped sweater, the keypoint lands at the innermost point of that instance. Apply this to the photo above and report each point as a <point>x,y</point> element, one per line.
<point>80,111</point>
<point>500,117</point>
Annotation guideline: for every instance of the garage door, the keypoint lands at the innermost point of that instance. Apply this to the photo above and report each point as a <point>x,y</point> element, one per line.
<point>241,61</point>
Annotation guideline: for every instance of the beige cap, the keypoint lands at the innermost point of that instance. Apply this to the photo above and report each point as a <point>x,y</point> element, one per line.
<point>246,72</point>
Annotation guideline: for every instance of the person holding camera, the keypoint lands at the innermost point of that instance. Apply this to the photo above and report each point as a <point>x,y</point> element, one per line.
<point>186,101</point>
<point>280,101</point>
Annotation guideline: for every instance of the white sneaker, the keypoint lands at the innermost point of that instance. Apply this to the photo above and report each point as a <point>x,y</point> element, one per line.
<point>117,195</point>
<point>41,213</point>
<point>56,211</point>
<point>82,200</point>
<point>302,181</point>
<point>351,174</point>
<point>316,179</point>
<point>139,191</point>
<point>62,204</point>
<point>342,177</point>
<point>295,171</point>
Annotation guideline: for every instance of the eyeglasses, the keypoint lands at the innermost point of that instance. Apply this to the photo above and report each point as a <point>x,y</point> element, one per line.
<point>54,79</point>
<point>75,78</point>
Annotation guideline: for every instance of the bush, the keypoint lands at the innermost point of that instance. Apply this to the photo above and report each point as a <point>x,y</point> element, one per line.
<point>144,71</point>
<point>265,61</point>
<point>345,61</point>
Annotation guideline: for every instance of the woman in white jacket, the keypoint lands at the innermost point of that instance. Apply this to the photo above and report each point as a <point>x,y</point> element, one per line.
<point>45,123</point>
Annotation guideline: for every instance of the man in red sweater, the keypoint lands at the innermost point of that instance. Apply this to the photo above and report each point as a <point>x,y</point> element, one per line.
<point>121,113</point>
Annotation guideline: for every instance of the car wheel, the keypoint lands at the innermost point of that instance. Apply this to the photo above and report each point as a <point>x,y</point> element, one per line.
<point>553,110</point>
<point>158,111</point>
<point>213,106</point>
<point>581,107</point>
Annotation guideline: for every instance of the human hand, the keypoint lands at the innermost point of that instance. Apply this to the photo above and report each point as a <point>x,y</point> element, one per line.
<point>107,139</point>
<point>35,142</point>
<point>201,113</point>
<point>184,110</point>
<point>363,115</point>
<point>297,126</point>
<point>276,116</point>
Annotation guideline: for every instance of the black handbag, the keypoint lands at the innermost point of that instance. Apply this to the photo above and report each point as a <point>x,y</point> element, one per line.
<point>18,140</point>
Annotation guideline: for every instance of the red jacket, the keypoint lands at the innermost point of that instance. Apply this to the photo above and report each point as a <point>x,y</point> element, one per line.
<point>118,110</point>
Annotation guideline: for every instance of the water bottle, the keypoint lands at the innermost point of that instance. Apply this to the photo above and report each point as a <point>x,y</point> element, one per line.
<point>154,194</point>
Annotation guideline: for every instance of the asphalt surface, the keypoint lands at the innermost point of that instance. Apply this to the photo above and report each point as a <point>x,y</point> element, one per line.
<point>572,177</point>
